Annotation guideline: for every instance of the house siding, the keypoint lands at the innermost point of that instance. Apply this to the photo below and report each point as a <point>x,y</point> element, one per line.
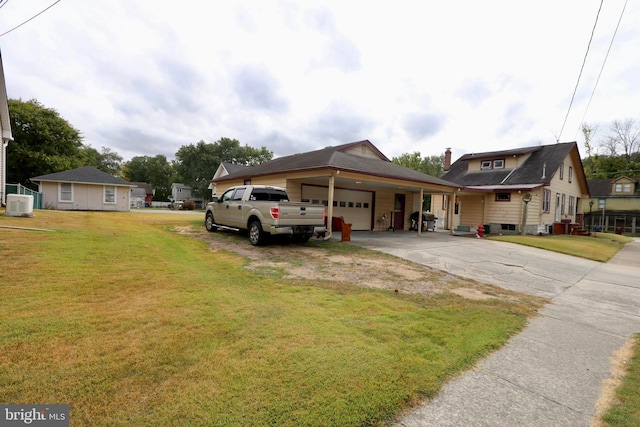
<point>85,197</point>
<point>499,212</point>
<point>471,208</point>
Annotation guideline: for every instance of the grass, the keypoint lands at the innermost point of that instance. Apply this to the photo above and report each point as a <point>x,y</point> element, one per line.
<point>626,410</point>
<point>132,323</point>
<point>599,247</point>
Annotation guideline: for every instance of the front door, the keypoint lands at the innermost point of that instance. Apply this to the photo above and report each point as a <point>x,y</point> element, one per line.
<point>398,212</point>
<point>557,216</point>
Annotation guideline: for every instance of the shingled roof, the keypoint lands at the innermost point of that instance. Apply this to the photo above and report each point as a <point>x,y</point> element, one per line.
<point>538,169</point>
<point>336,158</point>
<point>602,187</point>
<point>84,175</point>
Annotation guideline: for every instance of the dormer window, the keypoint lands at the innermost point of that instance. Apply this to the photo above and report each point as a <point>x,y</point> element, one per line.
<point>492,164</point>
<point>623,188</point>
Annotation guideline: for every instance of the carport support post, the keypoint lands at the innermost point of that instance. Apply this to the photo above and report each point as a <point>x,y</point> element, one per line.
<point>332,182</point>
<point>420,214</point>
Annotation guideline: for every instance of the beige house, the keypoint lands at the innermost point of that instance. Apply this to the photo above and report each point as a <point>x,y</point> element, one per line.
<point>84,189</point>
<point>535,190</point>
<point>614,205</point>
<point>354,181</point>
<point>5,130</point>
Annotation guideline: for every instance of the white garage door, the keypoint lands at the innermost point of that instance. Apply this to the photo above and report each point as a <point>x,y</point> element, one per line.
<point>355,206</point>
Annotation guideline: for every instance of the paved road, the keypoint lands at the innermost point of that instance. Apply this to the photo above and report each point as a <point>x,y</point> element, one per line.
<point>552,373</point>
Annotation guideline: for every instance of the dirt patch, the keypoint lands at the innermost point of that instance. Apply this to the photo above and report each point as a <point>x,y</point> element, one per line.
<point>619,362</point>
<point>347,263</point>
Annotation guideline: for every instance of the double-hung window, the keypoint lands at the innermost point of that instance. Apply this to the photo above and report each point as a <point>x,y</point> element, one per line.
<point>546,201</point>
<point>109,194</point>
<point>572,202</point>
<point>623,188</point>
<point>65,192</point>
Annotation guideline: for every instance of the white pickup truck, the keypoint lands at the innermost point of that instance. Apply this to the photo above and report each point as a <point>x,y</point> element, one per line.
<point>264,211</point>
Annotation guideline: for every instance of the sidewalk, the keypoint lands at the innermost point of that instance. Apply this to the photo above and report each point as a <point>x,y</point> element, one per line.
<point>552,373</point>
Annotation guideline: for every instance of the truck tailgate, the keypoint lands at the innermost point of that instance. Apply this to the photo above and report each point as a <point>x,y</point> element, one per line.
<point>300,213</point>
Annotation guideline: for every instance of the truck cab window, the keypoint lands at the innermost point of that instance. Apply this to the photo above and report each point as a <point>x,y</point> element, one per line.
<point>226,196</point>
<point>238,194</point>
<point>259,194</point>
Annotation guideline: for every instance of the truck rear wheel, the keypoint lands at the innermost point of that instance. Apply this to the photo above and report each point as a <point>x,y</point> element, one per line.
<point>257,236</point>
<point>208,222</point>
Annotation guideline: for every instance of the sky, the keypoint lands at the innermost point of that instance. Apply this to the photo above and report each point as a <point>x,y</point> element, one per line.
<point>144,78</point>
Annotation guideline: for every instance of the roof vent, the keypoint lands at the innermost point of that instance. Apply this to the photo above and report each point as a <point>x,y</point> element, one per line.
<point>544,170</point>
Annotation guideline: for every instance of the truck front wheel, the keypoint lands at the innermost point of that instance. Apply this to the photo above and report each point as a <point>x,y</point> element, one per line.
<point>208,222</point>
<point>257,236</point>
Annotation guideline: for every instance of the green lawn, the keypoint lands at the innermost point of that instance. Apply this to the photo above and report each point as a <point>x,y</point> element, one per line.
<point>625,412</point>
<point>133,323</point>
<point>598,247</point>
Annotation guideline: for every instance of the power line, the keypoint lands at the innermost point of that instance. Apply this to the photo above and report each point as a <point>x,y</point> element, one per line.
<point>581,69</point>
<point>602,68</point>
<point>33,17</point>
<point>3,2</point>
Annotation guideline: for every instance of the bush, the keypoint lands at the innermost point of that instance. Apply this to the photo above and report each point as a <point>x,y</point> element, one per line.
<point>189,205</point>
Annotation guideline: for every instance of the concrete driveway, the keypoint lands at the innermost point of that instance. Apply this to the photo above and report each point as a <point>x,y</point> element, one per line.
<point>552,373</point>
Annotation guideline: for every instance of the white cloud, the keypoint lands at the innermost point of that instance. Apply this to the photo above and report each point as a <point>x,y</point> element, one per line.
<point>144,78</point>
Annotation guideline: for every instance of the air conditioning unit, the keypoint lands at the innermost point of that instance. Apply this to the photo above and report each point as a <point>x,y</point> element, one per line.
<point>19,205</point>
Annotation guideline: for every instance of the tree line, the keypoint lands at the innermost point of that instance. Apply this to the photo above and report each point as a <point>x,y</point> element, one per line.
<point>613,152</point>
<point>46,143</point>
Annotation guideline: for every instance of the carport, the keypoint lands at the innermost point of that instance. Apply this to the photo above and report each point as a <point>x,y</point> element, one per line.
<point>355,181</point>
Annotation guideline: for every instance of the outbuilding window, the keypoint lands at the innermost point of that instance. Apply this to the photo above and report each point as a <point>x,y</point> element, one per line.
<point>109,194</point>
<point>65,192</point>
<point>503,197</point>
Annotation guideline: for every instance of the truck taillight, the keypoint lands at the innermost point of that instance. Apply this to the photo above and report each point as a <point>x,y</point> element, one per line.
<point>275,213</point>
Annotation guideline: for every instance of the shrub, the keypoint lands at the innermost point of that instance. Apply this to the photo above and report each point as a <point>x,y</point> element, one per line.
<point>189,205</point>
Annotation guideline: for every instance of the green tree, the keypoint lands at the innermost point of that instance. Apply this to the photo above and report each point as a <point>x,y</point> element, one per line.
<point>602,166</point>
<point>196,164</point>
<point>107,160</point>
<point>43,142</point>
<point>157,171</point>
<point>431,165</point>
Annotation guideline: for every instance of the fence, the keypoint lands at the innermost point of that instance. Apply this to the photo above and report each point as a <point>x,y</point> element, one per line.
<point>21,189</point>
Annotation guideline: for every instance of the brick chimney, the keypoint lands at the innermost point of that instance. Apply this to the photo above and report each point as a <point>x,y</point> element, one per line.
<point>447,159</point>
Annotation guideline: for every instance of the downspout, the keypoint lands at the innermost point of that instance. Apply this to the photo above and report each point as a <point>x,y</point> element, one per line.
<point>330,207</point>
